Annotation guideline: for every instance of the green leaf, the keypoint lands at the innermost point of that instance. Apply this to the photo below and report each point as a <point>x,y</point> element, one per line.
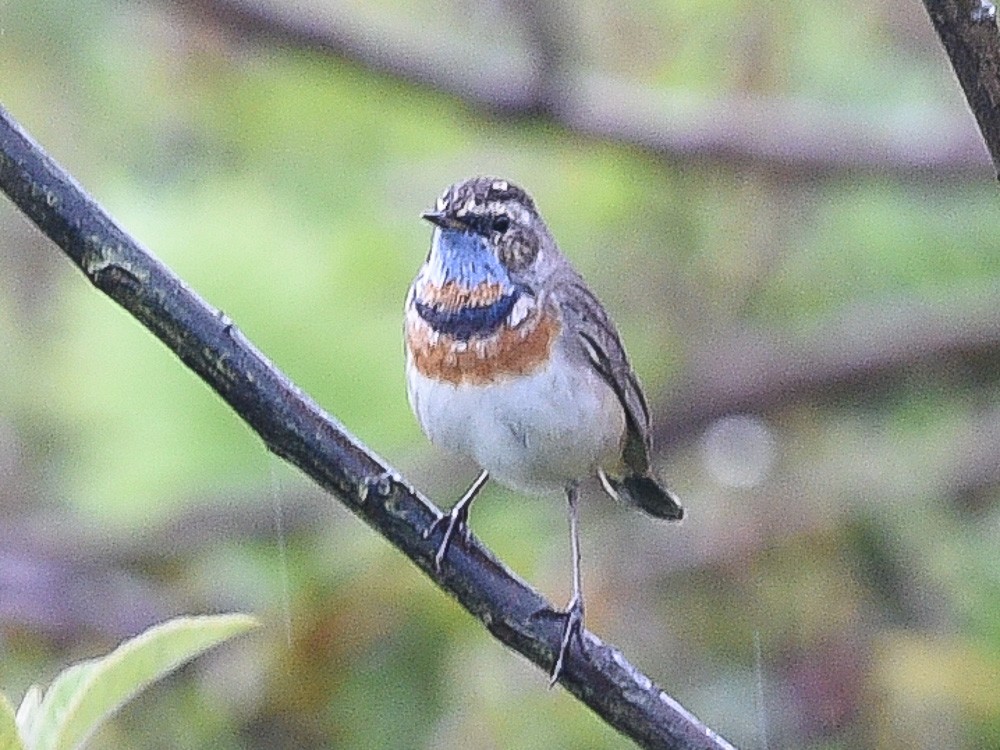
<point>28,709</point>
<point>84,695</point>
<point>10,738</point>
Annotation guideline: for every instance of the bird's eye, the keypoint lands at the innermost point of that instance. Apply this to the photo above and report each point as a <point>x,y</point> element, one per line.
<point>501,223</point>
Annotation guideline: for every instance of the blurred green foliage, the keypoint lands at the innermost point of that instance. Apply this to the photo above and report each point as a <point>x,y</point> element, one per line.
<point>847,601</point>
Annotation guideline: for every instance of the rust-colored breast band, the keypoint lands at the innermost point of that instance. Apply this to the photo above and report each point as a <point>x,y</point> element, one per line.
<point>508,353</point>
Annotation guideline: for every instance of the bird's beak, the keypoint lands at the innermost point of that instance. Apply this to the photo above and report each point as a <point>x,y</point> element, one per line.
<point>441,219</point>
<point>434,217</point>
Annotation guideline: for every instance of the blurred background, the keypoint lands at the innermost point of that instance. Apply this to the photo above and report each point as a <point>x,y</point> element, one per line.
<point>785,206</point>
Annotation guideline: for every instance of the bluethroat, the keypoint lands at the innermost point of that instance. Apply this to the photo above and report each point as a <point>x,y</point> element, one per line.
<point>512,361</point>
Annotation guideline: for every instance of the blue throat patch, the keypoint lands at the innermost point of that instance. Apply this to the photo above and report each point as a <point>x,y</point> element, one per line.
<point>466,259</point>
<point>468,322</point>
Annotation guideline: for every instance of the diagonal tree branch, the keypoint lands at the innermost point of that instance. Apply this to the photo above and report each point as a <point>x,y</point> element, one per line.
<point>968,31</point>
<point>297,429</point>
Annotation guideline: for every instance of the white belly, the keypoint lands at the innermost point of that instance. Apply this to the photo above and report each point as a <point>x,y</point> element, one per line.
<point>536,433</point>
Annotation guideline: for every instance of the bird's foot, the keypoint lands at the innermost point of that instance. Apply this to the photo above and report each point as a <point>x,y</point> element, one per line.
<point>571,627</point>
<point>454,521</point>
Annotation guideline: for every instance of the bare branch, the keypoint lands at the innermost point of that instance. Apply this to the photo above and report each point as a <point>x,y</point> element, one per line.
<point>968,31</point>
<point>295,428</point>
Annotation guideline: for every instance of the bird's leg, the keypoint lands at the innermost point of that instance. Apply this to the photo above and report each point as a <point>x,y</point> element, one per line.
<point>574,610</point>
<point>457,518</point>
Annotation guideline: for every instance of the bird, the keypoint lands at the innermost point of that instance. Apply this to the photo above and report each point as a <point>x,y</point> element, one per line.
<point>512,361</point>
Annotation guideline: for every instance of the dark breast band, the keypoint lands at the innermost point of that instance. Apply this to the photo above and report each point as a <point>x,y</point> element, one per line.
<point>468,322</point>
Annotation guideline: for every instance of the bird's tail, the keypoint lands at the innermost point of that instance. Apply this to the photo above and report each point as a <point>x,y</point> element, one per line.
<point>645,493</point>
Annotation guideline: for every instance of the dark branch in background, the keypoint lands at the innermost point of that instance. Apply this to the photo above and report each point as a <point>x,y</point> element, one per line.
<point>548,52</point>
<point>62,580</point>
<point>793,139</point>
<point>968,31</point>
<point>759,374</point>
<point>295,428</point>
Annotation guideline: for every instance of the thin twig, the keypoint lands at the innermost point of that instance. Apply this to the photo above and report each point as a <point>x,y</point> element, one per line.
<point>297,429</point>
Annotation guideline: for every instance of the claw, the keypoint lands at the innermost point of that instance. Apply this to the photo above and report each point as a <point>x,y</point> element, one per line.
<point>456,520</point>
<point>572,626</point>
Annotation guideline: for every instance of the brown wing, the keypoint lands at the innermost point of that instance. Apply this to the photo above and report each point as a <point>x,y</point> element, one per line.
<point>599,341</point>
